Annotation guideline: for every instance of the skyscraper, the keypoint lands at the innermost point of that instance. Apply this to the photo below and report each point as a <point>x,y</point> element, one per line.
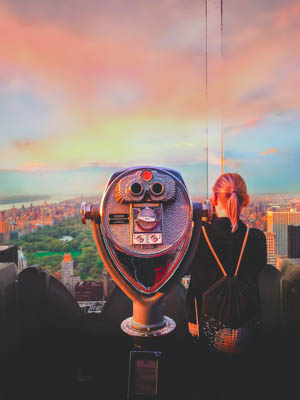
<point>271,250</point>
<point>67,273</point>
<point>277,222</point>
<point>89,291</point>
<point>4,227</point>
<point>293,241</point>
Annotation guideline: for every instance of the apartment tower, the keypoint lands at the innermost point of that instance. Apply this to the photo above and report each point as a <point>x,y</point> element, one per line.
<point>278,222</point>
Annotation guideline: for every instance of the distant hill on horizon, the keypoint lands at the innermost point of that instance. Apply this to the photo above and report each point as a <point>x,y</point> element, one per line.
<point>23,198</point>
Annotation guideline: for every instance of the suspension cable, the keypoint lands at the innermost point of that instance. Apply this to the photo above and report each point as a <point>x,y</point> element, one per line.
<point>206,98</point>
<point>222,94</point>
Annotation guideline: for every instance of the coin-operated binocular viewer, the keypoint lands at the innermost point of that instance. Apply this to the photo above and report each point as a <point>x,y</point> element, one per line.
<point>146,231</point>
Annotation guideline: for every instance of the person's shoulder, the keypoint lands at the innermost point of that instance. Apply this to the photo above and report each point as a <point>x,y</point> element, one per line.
<point>257,232</point>
<point>257,235</point>
<point>258,246</point>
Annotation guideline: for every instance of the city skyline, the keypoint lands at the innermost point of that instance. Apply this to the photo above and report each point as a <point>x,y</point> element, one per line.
<point>270,214</point>
<point>89,89</point>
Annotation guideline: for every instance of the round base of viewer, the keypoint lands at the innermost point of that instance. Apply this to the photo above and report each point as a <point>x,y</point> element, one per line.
<point>147,331</point>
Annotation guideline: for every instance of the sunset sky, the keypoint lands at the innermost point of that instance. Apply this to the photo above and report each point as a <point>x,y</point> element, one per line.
<point>88,87</point>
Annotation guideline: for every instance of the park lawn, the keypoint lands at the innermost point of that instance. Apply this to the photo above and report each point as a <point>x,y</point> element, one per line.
<point>40,254</point>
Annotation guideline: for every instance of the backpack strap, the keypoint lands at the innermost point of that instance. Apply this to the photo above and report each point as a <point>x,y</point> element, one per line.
<point>197,317</point>
<point>242,251</point>
<point>213,251</point>
<point>216,257</point>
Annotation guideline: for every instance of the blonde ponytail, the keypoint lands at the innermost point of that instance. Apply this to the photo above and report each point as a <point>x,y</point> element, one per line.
<point>233,210</point>
<point>231,189</point>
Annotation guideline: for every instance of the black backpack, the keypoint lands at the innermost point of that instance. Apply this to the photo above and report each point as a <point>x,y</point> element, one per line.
<point>229,315</point>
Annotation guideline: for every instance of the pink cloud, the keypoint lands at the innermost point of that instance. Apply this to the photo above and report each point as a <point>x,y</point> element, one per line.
<point>244,126</point>
<point>22,145</point>
<point>65,59</point>
<point>75,64</point>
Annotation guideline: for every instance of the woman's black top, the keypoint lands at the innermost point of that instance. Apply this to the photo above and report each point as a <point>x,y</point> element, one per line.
<point>227,245</point>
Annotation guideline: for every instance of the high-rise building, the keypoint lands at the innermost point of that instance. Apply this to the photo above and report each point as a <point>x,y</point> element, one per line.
<point>271,251</point>
<point>277,222</point>
<point>293,241</point>
<point>4,227</point>
<point>4,231</point>
<point>89,291</point>
<point>67,273</point>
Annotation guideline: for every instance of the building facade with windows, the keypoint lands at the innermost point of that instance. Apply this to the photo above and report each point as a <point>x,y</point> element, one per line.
<point>293,241</point>
<point>278,222</point>
<point>67,273</point>
<point>271,249</point>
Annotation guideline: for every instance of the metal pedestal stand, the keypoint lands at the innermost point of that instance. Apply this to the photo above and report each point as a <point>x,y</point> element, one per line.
<point>143,378</point>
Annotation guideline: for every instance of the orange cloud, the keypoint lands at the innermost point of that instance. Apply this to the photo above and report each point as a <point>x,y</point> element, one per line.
<point>33,166</point>
<point>244,126</point>
<point>22,145</point>
<point>269,151</point>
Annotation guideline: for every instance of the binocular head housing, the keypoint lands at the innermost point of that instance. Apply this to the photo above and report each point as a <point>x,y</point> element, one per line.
<point>143,230</point>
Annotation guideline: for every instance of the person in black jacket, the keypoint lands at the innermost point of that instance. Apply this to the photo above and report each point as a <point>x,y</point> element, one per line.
<point>226,234</point>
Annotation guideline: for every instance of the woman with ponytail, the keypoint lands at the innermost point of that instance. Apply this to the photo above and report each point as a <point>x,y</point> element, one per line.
<point>229,197</point>
<point>229,259</point>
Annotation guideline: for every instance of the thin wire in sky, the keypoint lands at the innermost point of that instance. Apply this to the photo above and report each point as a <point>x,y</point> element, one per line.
<point>206,98</point>
<point>222,97</point>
